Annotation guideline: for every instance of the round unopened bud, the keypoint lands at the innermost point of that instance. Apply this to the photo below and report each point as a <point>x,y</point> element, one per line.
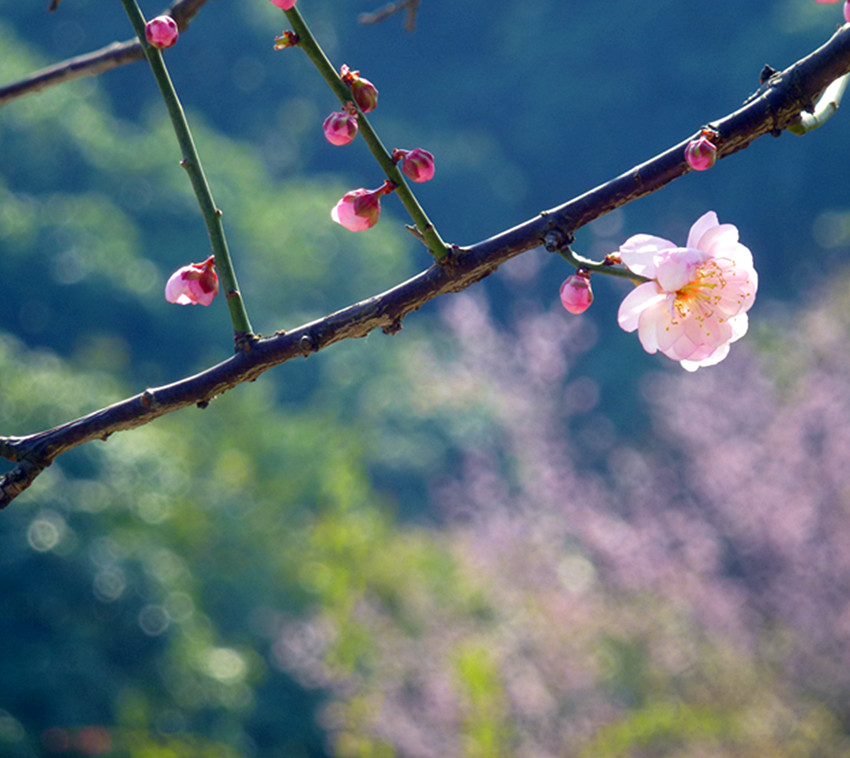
<point>360,209</point>
<point>576,294</point>
<point>364,93</point>
<point>340,127</point>
<point>284,5</point>
<point>417,164</point>
<point>161,32</point>
<point>701,153</point>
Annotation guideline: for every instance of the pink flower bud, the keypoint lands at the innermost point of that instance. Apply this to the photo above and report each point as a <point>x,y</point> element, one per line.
<point>285,5</point>
<point>701,153</point>
<point>161,32</point>
<point>847,11</point>
<point>360,209</point>
<point>365,93</point>
<point>576,294</point>
<point>341,127</point>
<point>417,164</point>
<point>193,284</point>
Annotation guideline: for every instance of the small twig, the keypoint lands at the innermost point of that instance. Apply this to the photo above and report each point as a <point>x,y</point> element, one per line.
<point>391,9</point>
<point>309,44</point>
<point>96,62</point>
<point>192,163</point>
<point>600,267</point>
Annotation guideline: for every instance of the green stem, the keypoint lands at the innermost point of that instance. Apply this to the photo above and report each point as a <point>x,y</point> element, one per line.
<point>308,43</point>
<point>192,163</point>
<point>825,108</point>
<point>579,261</point>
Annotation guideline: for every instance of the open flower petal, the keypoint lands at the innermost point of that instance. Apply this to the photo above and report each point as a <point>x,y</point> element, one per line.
<point>638,253</point>
<point>636,302</point>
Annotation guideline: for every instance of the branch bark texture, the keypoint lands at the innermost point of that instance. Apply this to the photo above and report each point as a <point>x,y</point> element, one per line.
<point>772,109</point>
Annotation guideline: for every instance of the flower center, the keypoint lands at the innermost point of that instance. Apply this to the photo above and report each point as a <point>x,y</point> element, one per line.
<point>702,294</point>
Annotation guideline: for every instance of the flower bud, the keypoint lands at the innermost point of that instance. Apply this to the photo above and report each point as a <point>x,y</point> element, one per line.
<point>701,153</point>
<point>360,209</point>
<point>340,127</point>
<point>284,5</point>
<point>364,93</point>
<point>193,284</point>
<point>417,164</point>
<point>286,39</point>
<point>161,32</point>
<point>576,294</point>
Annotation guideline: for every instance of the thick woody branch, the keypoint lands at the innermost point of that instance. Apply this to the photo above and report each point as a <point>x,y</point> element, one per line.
<point>96,62</point>
<point>775,107</point>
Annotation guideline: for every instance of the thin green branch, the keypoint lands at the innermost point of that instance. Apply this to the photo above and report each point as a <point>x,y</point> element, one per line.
<point>824,110</point>
<point>601,267</point>
<point>308,43</point>
<point>192,163</point>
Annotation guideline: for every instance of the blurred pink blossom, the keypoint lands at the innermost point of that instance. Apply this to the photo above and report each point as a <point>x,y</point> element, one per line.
<point>576,293</point>
<point>695,305</point>
<point>360,209</point>
<point>285,5</point>
<point>161,32</point>
<point>196,283</point>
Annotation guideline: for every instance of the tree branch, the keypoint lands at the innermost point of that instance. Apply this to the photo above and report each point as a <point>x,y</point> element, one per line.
<point>776,106</point>
<point>96,62</point>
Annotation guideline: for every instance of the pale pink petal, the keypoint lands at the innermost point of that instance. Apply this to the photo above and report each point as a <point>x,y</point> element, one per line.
<point>715,358</point>
<point>654,324</point>
<point>675,268</point>
<point>641,297</point>
<point>700,227</point>
<point>638,253</point>
<point>717,240</point>
<point>739,325</point>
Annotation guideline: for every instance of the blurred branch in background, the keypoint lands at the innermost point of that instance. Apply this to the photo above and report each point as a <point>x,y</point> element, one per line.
<point>773,109</point>
<point>390,9</point>
<point>95,62</point>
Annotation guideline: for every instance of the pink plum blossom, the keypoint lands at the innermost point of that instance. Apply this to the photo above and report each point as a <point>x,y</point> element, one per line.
<point>417,164</point>
<point>285,5</point>
<point>340,127</point>
<point>193,284</point>
<point>576,293</point>
<point>161,32</point>
<point>695,304</point>
<point>360,209</point>
<point>701,153</point>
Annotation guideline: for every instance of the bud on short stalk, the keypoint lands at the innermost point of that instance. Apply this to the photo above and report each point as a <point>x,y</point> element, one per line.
<point>576,294</point>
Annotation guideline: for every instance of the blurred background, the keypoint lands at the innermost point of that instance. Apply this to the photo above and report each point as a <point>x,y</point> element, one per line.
<point>506,531</point>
